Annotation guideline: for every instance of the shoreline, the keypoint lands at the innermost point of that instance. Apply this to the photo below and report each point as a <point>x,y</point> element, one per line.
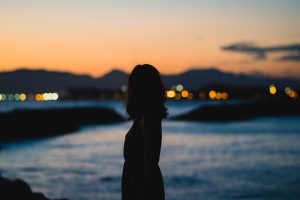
<point>273,107</point>
<point>38,123</point>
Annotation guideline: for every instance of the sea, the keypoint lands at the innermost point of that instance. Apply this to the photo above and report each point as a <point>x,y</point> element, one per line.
<point>253,159</point>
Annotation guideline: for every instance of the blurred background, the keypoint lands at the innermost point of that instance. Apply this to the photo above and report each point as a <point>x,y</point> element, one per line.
<point>232,75</point>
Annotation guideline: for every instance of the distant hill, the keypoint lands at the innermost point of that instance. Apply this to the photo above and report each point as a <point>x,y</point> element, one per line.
<point>195,78</point>
<point>25,80</point>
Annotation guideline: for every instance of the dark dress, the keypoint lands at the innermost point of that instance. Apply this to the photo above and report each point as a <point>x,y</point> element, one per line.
<point>142,178</point>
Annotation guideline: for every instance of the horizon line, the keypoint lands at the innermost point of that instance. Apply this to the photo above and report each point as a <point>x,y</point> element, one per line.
<point>43,68</point>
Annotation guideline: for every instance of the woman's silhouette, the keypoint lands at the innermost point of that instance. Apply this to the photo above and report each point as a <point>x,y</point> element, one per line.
<point>142,178</point>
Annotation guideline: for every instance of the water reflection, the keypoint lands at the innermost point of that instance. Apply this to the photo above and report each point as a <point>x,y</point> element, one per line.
<point>254,159</point>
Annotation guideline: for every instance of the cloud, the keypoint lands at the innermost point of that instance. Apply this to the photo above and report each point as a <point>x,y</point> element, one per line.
<point>292,51</point>
<point>247,48</point>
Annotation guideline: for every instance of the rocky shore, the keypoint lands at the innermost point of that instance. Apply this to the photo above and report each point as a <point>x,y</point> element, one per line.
<point>244,111</point>
<point>19,190</point>
<point>38,123</point>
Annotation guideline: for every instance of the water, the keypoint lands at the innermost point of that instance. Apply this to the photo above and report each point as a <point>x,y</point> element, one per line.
<point>256,159</point>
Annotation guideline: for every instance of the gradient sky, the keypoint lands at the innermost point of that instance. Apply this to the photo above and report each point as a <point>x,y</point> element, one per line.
<point>94,36</point>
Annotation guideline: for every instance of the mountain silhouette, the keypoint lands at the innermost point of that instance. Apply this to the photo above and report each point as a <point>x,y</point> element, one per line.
<point>113,80</point>
<point>25,80</point>
<point>196,78</point>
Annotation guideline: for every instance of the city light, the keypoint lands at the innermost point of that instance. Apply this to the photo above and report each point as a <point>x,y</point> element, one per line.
<point>124,88</point>
<point>3,97</point>
<point>29,97</point>
<point>177,96</point>
<point>39,97</point>
<point>54,96</point>
<point>10,97</point>
<point>293,94</point>
<point>225,95</point>
<point>272,89</point>
<point>216,95</point>
<point>16,96</point>
<point>171,94</point>
<point>219,95</point>
<point>184,93</point>
<point>179,88</point>
<point>190,96</point>
<point>22,97</point>
<point>212,94</point>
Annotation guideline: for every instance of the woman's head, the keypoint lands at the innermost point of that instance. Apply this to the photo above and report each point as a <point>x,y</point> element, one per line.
<point>145,92</point>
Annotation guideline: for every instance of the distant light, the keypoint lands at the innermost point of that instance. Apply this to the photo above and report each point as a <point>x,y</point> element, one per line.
<point>177,96</point>
<point>16,97</point>
<point>225,95</point>
<point>179,88</point>
<point>50,96</point>
<point>184,93</point>
<point>202,95</point>
<point>31,97</point>
<point>3,97</point>
<point>22,97</point>
<point>287,90</point>
<point>39,97</point>
<point>212,94</point>
<point>293,94</point>
<point>46,96</point>
<point>55,96</point>
<point>219,95</point>
<point>272,89</point>
<point>0,97</point>
<point>10,97</point>
<point>171,94</point>
<point>190,96</point>
<point>124,88</point>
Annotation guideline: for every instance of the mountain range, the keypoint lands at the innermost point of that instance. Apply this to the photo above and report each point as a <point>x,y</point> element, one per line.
<point>26,80</point>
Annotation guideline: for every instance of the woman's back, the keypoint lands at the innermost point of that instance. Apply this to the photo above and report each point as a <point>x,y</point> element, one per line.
<point>142,177</point>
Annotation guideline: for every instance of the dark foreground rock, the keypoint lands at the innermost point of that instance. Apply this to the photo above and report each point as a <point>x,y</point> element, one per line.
<point>244,111</point>
<point>29,123</point>
<point>18,190</point>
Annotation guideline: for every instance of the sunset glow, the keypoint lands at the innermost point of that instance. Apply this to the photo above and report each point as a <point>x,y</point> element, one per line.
<point>93,37</point>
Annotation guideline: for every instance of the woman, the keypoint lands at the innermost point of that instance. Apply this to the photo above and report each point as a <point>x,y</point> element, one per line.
<point>142,178</point>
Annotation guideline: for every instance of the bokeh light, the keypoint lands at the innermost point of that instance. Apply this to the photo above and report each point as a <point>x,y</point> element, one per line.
<point>179,88</point>
<point>184,93</point>
<point>272,89</point>
<point>171,94</point>
<point>124,88</point>
<point>177,96</point>
<point>190,96</point>
<point>22,97</point>
<point>212,94</point>
<point>225,95</point>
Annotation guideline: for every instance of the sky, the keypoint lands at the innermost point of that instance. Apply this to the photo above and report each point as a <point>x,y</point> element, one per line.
<point>95,36</point>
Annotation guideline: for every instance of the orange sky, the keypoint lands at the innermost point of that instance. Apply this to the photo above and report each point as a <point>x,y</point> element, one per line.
<point>95,36</point>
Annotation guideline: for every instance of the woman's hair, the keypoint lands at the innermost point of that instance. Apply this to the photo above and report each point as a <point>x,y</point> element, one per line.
<point>145,93</point>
